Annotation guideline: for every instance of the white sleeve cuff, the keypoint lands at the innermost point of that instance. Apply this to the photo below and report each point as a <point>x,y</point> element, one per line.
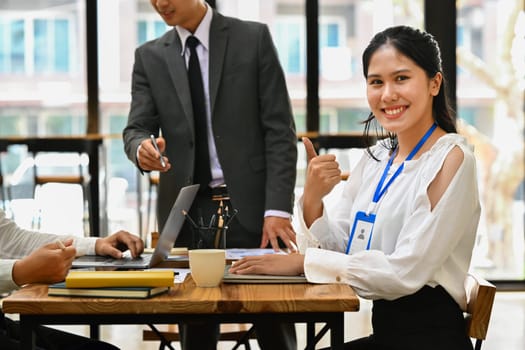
<point>85,246</point>
<point>325,266</point>
<point>137,153</point>
<point>278,213</point>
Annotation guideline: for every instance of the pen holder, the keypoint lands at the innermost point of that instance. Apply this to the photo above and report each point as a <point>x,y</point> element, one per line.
<point>212,235</point>
<point>206,237</point>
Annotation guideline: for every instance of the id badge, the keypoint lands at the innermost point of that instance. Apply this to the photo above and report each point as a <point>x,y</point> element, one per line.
<point>361,234</point>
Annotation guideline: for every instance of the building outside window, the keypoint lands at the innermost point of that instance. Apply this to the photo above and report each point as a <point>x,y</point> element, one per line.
<point>491,81</point>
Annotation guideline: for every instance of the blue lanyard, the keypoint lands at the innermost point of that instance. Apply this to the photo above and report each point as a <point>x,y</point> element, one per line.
<point>380,189</point>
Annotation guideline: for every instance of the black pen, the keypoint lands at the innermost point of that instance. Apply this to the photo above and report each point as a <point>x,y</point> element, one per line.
<point>212,221</point>
<point>154,142</point>
<point>231,217</point>
<point>201,218</point>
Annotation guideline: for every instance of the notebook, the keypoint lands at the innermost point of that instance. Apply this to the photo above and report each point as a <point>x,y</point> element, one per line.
<point>59,289</point>
<point>167,238</point>
<point>235,278</point>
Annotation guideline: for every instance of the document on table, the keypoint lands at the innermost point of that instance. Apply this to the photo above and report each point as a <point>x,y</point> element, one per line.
<point>239,253</point>
<point>180,274</point>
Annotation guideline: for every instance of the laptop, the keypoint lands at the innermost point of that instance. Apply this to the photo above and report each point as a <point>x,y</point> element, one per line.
<point>167,239</point>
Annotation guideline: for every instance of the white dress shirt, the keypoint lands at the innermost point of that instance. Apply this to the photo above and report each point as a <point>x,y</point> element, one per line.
<point>203,34</point>
<point>16,243</point>
<point>411,244</point>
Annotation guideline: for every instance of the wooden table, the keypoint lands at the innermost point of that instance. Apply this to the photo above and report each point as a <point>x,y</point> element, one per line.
<point>89,144</point>
<point>228,303</point>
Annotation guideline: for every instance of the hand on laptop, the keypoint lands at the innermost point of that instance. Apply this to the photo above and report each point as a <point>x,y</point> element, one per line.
<point>119,242</point>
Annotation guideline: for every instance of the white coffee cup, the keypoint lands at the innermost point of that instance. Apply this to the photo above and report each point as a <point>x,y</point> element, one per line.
<point>207,266</point>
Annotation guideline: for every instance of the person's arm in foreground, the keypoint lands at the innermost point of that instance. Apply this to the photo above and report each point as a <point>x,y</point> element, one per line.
<point>51,262</point>
<point>35,257</point>
<point>48,264</point>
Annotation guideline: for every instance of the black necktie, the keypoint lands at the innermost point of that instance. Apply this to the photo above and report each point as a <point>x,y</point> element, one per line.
<point>202,172</point>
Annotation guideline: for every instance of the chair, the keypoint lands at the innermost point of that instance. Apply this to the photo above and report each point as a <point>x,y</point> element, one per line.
<point>4,195</point>
<point>153,183</point>
<point>240,333</point>
<point>480,298</point>
<point>3,191</point>
<point>61,168</point>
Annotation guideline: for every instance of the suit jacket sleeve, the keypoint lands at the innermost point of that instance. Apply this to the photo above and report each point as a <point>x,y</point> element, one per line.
<point>280,136</point>
<point>143,117</point>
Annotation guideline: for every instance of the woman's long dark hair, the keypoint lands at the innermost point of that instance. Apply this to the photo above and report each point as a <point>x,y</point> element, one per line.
<point>423,49</point>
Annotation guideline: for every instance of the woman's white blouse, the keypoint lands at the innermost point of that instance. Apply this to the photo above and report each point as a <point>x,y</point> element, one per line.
<point>15,243</point>
<point>411,245</point>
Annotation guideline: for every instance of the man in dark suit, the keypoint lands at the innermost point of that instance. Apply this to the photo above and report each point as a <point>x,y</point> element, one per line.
<point>249,128</point>
<point>252,134</point>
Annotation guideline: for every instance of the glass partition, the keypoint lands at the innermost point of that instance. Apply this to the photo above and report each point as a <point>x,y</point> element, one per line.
<point>43,84</point>
<point>490,90</point>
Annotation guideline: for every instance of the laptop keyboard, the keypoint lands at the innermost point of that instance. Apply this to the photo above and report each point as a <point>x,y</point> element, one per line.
<point>126,260</point>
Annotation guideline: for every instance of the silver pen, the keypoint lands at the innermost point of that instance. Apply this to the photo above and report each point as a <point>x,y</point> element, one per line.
<point>154,142</point>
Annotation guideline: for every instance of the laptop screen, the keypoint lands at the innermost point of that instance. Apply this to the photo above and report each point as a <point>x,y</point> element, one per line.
<point>174,223</point>
<point>167,238</point>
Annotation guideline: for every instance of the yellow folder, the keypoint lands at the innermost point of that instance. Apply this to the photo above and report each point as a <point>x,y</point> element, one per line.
<point>141,278</point>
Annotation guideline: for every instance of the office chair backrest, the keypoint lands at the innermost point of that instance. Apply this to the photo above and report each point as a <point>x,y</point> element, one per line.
<point>3,187</point>
<point>59,167</point>
<point>480,298</point>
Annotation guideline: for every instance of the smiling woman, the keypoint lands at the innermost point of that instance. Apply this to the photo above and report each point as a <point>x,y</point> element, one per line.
<point>405,224</point>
